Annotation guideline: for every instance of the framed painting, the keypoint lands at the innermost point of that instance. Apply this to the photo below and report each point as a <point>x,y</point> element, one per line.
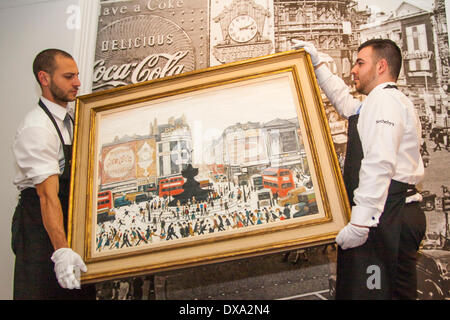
<point>222,163</point>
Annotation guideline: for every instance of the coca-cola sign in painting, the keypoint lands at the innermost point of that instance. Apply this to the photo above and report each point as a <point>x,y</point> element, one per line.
<point>139,41</point>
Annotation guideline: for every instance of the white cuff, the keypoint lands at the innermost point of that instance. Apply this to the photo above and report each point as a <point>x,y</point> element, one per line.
<point>363,216</point>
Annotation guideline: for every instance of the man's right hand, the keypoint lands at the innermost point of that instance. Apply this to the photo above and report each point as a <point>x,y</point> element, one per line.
<point>310,48</point>
<point>67,264</point>
<point>352,236</point>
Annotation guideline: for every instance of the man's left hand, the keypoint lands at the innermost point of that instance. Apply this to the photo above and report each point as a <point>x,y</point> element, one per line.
<point>309,48</point>
<point>352,236</point>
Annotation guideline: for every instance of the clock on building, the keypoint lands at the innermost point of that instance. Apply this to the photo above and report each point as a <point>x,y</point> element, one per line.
<point>242,28</point>
<point>242,25</point>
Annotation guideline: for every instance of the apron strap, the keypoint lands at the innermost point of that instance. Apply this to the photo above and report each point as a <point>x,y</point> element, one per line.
<point>42,105</point>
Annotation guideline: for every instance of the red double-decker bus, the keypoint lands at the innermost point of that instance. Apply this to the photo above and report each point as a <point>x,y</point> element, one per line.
<point>171,186</point>
<point>104,201</point>
<point>278,180</point>
<point>104,206</point>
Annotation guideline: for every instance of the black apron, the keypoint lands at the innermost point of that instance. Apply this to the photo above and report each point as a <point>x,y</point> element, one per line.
<point>385,266</point>
<point>34,276</point>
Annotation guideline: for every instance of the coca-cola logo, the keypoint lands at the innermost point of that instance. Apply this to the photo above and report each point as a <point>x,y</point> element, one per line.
<point>147,69</point>
<point>118,162</point>
<point>140,48</point>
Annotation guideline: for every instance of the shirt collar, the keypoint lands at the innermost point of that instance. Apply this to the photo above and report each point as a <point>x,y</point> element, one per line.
<point>380,86</point>
<point>55,109</point>
<point>384,84</point>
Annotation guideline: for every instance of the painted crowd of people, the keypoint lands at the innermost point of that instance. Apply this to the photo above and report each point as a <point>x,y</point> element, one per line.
<point>154,221</point>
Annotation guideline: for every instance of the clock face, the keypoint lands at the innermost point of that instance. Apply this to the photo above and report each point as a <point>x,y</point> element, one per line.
<point>242,28</point>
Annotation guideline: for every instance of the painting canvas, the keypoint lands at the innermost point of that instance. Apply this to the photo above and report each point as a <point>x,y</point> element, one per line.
<point>216,164</point>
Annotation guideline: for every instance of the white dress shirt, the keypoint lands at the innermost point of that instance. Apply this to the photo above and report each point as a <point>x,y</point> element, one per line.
<point>390,132</point>
<point>37,147</point>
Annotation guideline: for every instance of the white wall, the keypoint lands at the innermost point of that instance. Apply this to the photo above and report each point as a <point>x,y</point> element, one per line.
<point>25,30</point>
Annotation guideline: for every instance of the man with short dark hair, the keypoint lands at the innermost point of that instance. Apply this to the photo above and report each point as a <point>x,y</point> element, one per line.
<point>378,247</point>
<point>45,267</point>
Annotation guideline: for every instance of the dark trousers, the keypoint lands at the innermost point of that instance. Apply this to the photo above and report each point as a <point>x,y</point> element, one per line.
<point>384,268</point>
<point>34,275</point>
<point>412,233</point>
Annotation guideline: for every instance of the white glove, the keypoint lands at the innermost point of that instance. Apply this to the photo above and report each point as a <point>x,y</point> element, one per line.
<point>68,263</point>
<point>352,236</point>
<point>414,198</point>
<point>310,48</point>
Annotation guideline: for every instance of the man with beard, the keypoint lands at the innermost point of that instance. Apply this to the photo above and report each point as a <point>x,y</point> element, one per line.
<point>45,266</point>
<point>378,247</point>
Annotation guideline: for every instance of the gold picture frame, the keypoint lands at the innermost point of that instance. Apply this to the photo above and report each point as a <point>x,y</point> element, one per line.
<point>253,134</point>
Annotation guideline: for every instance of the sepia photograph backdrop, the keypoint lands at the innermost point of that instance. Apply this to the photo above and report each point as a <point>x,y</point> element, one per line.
<point>140,40</point>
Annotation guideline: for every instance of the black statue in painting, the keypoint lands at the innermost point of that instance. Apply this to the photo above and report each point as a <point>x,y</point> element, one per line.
<point>191,188</point>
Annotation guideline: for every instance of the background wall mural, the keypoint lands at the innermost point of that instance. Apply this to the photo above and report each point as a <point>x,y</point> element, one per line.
<point>140,40</point>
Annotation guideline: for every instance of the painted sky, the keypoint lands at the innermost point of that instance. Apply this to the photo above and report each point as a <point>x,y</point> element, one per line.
<point>208,112</point>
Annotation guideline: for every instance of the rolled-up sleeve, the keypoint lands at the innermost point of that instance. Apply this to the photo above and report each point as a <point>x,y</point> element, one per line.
<point>36,151</point>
